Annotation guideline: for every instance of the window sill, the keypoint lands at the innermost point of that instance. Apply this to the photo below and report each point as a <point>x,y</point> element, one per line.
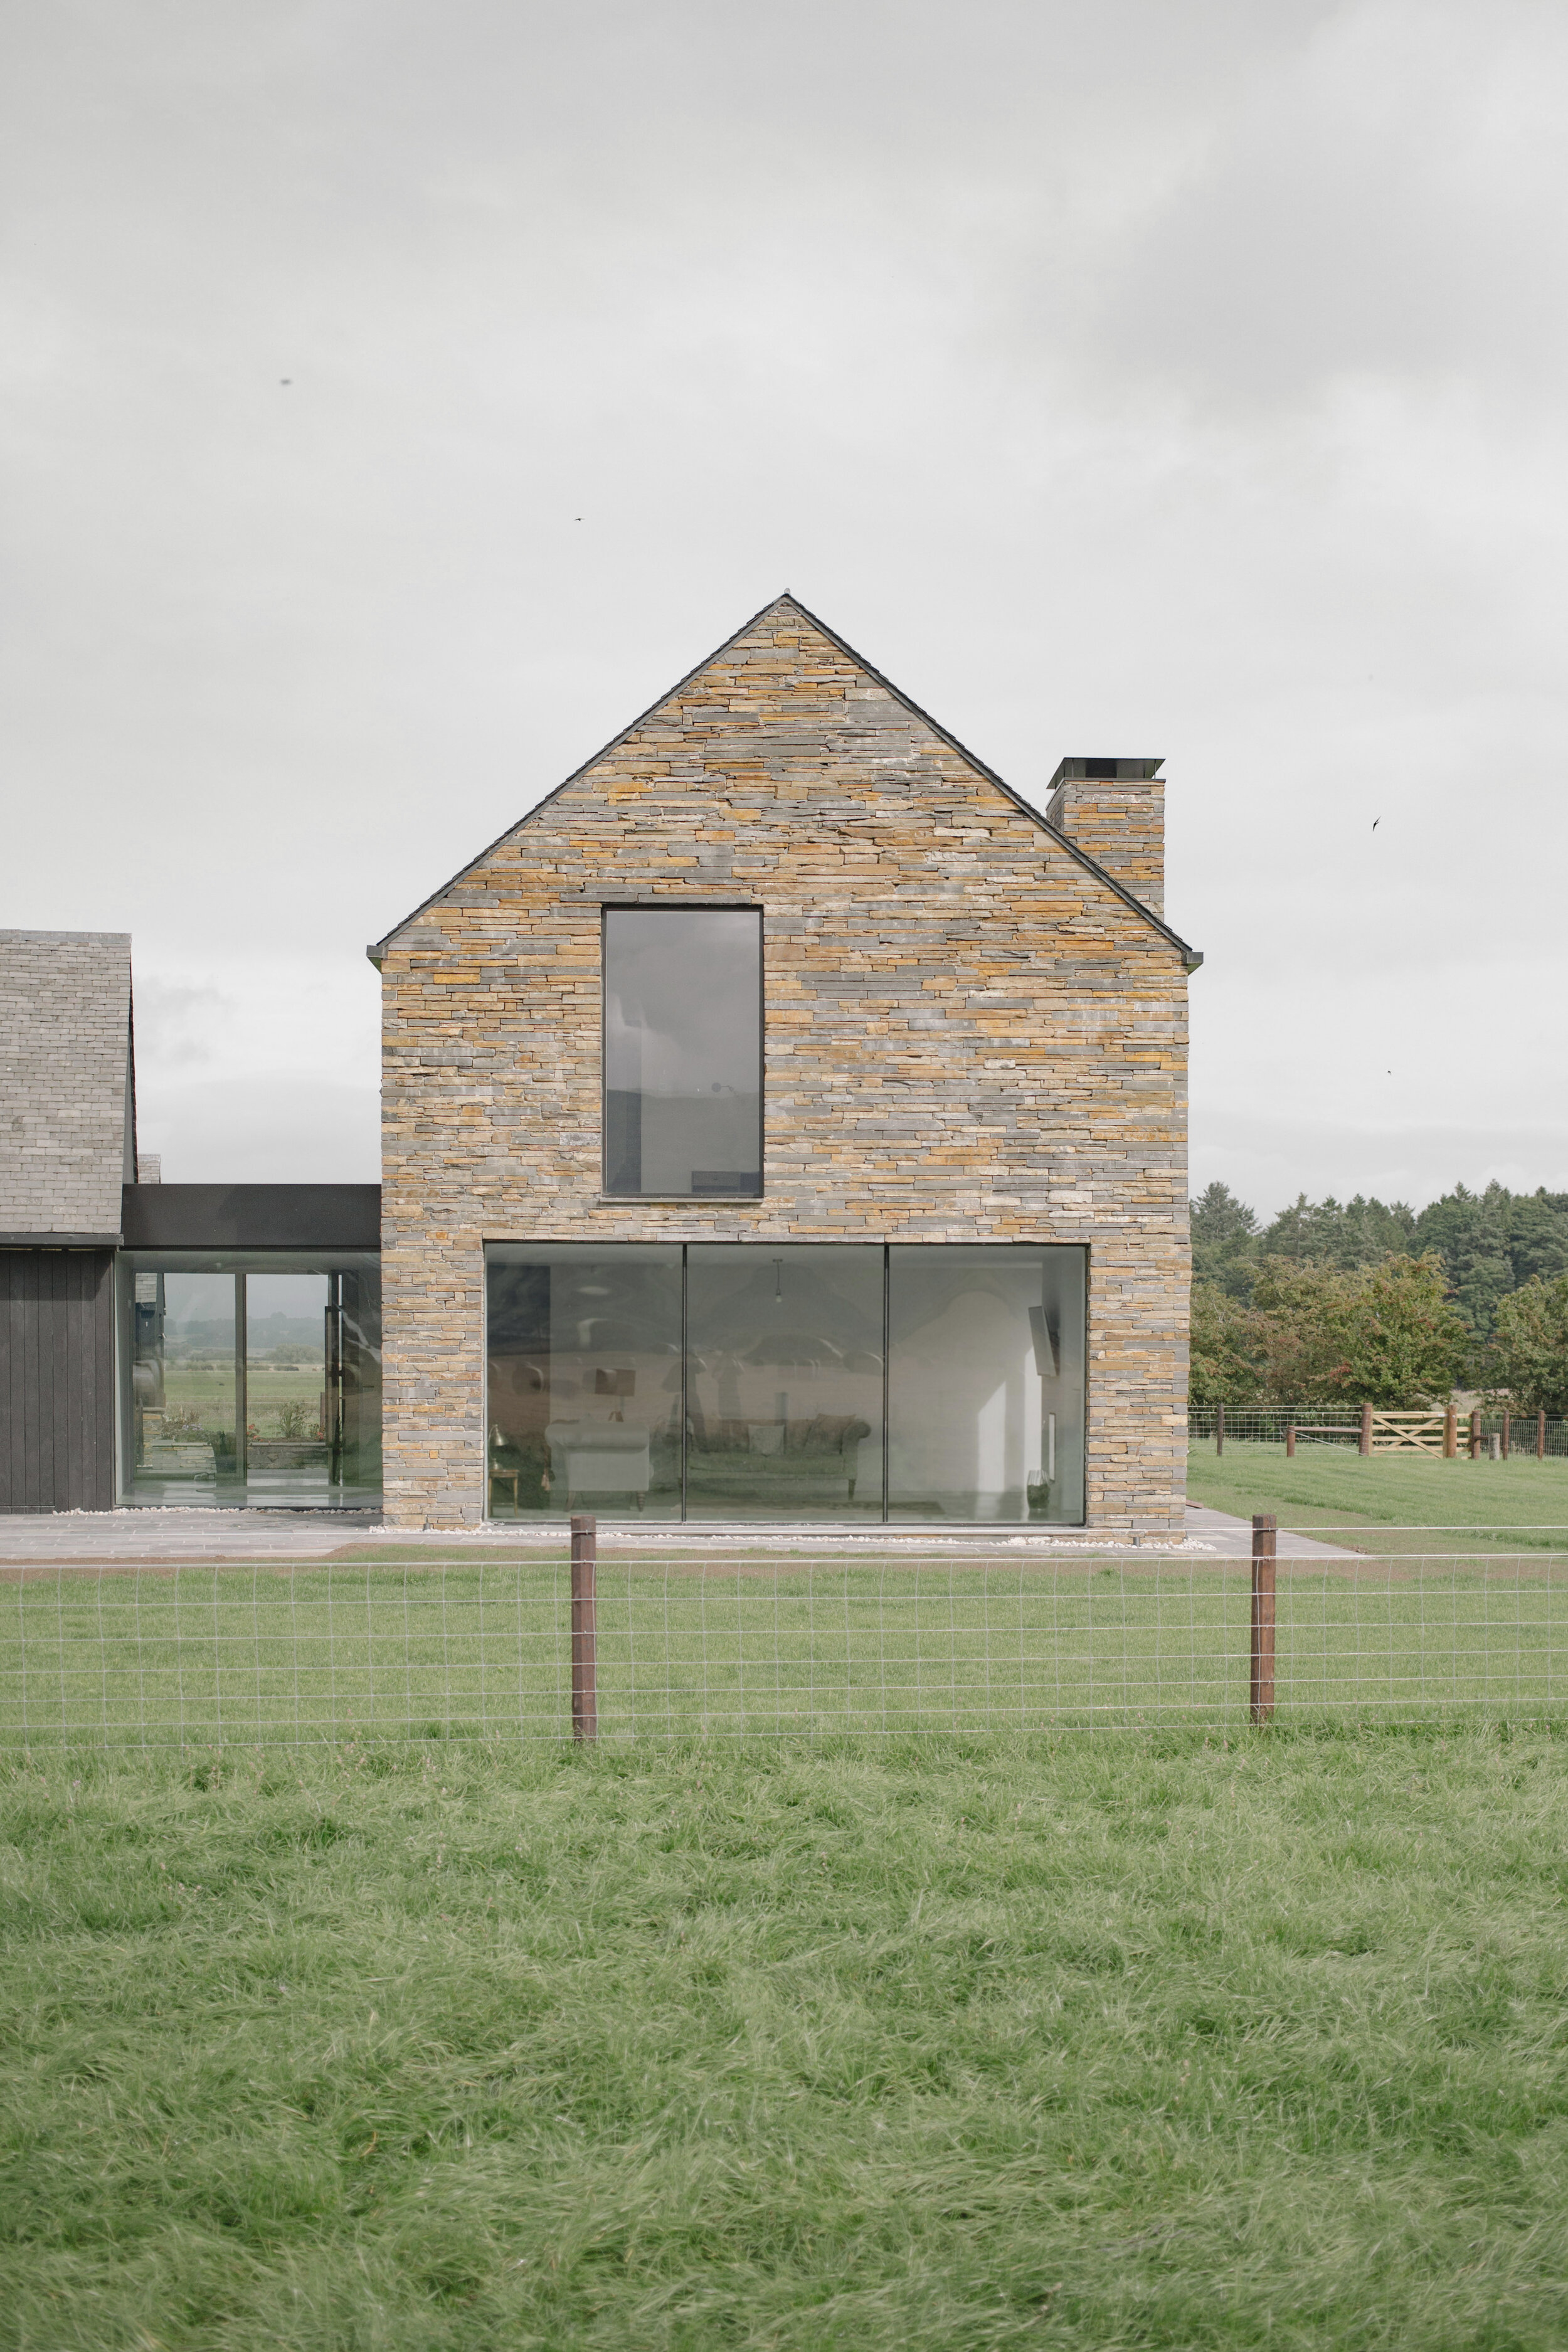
<point>677,1200</point>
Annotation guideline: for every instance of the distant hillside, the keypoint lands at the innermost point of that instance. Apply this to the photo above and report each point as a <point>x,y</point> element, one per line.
<point>265,1334</point>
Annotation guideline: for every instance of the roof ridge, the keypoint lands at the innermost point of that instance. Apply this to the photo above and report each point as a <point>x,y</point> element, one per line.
<point>1191,957</point>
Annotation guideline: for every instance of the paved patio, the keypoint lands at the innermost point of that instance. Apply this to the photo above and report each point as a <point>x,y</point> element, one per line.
<point>91,1539</point>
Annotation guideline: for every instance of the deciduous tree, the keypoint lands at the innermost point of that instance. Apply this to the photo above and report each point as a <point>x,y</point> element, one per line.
<point>1528,1358</point>
<point>1385,1335</point>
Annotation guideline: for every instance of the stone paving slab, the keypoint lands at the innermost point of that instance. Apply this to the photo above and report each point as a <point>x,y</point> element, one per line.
<point>1232,1537</point>
<point>108,1537</point>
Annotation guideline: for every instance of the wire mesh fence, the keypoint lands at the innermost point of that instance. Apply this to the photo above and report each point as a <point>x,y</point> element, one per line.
<point>1519,1433</point>
<point>257,1654</point>
<point>1267,1424</point>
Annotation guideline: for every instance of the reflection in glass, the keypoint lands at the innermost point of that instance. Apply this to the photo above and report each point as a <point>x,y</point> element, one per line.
<point>583,1360</point>
<point>985,1353</point>
<point>285,1385</point>
<point>183,1382</point>
<point>253,1380</point>
<point>781,1415</point>
<point>682,1051</point>
<point>353,1378</point>
<point>784,1381</point>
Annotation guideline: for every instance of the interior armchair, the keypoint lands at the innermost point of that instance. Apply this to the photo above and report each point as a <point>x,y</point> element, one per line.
<point>598,1457</point>
<point>504,1467</point>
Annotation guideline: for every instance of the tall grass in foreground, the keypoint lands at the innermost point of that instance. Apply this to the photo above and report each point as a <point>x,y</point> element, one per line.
<point>954,2043</point>
<point>213,1655</point>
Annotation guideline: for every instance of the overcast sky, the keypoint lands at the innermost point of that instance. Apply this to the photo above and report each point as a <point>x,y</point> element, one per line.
<point>399,397</point>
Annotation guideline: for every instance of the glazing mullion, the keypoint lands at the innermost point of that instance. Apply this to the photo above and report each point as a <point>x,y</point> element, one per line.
<point>241,1385</point>
<point>685,1416</point>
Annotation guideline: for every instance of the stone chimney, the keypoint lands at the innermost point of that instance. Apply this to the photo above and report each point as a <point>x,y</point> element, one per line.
<point>1114,810</point>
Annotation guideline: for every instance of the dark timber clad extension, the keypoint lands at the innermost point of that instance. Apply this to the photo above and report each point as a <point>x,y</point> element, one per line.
<point>252,1216</point>
<point>57,1380</point>
<point>75,1201</point>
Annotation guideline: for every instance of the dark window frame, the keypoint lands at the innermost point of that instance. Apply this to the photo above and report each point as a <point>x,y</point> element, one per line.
<point>609,907</point>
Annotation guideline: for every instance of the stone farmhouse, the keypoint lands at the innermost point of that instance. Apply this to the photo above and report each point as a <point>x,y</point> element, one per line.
<point>784,1121</point>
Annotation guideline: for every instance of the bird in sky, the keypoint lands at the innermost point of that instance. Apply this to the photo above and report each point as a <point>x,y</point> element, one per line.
<point>1375,823</point>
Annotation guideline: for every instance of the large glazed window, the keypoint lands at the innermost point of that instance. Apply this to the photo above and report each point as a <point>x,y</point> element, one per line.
<point>251,1378</point>
<point>734,1380</point>
<point>985,1383</point>
<point>683,1052</point>
<point>585,1384</point>
<point>783,1416</point>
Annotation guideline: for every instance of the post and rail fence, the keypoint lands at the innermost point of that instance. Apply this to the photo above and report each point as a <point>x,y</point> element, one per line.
<point>584,1629</point>
<point>635,1634</point>
<point>1265,1534</point>
<point>584,1647</point>
<point>1485,1434</point>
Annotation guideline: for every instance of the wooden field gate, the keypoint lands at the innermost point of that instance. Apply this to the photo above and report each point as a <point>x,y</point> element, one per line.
<point>1415,1432</point>
<point>1410,1433</point>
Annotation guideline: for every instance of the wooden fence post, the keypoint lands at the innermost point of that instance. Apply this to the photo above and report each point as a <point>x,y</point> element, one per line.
<point>1507,1420</point>
<point>1475,1432</point>
<point>1262,1695</point>
<point>1290,1443</point>
<point>1541,1434</point>
<point>1450,1435</point>
<point>584,1631</point>
<point>1219,1427</point>
<point>1365,1445</point>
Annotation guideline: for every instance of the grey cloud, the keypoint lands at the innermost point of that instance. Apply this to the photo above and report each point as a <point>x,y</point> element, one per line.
<point>1117,376</point>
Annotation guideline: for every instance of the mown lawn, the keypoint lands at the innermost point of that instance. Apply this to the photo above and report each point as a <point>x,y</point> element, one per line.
<point>1099,2042</point>
<point>1520,1505</point>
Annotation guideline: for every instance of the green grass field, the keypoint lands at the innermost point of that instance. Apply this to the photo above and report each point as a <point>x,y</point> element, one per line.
<point>954,2043</point>
<point>1494,1506</point>
<point>201,1394</point>
<point>479,1647</point>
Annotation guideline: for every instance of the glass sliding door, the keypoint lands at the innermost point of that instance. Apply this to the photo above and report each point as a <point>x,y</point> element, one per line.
<point>254,1380</point>
<point>583,1392</point>
<point>353,1352</point>
<point>985,1386</point>
<point>182,1385</point>
<point>735,1381</point>
<point>784,1381</point>
<point>286,1457</point>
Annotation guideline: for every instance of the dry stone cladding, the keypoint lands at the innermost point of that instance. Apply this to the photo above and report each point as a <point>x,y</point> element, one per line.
<point>971,1036</point>
<point>67,1137</point>
<point>1121,825</point>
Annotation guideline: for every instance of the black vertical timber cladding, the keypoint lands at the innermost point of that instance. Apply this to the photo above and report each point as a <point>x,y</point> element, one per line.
<point>57,1380</point>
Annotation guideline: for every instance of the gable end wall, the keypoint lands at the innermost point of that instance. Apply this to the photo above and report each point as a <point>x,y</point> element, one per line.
<point>968,1038</point>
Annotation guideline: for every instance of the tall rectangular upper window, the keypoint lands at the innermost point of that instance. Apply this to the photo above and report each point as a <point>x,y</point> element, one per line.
<point>683,1051</point>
